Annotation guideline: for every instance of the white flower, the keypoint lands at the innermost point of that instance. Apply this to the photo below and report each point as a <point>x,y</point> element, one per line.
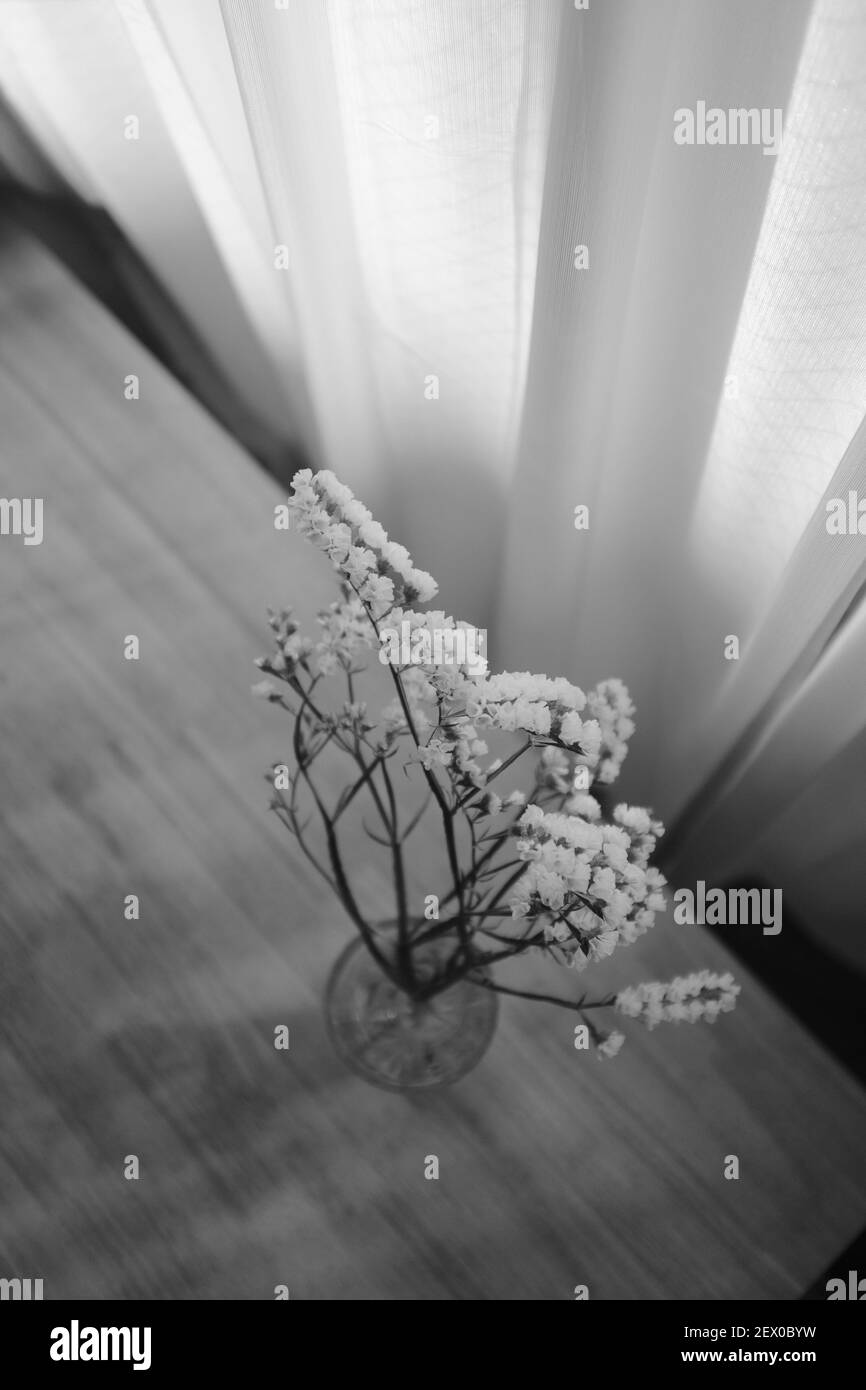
<point>611,705</point>
<point>358,564</point>
<point>346,630</point>
<point>544,707</point>
<point>589,741</point>
<point>635,818</point>
<point>571,727</point>
<point>580,868</point>
<point>434,755</point>
<point>519,901</point>
<point>611,1045</point>
<point>532,816</point>
<point>397,556</point>
<point>616,856</point>
<point>374,535</point>
<point>555,769</point>
<point>425,585</point>
<point>377,592</point>
<point>334,520</point>
<point>687,998</point>
<point>603,945</point>
<point>556,930</point>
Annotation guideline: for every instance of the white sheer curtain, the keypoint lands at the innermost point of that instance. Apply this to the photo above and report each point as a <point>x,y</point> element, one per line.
<point>430,167</point>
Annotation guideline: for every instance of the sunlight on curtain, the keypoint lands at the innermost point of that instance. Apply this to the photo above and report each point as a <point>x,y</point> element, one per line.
<point>444,115</point>
<point>797,371</point>
<point>786,440</point>
<point>629,358</point>
<point>402,151</point>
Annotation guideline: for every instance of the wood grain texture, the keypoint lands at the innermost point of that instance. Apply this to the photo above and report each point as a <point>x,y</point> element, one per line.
<point>155,1038</point>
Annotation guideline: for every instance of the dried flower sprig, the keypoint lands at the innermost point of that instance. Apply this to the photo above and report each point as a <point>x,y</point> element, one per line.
<point>575,887</point>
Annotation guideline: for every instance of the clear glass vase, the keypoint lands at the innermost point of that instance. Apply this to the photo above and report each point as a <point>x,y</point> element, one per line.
<point>396,1041</point>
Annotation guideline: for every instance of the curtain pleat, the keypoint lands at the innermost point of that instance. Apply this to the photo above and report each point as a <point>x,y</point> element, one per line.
<point>805,652</point>
<point>630,358</point>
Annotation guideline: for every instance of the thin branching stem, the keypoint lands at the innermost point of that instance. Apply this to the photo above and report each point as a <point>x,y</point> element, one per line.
<point>576,1005</point>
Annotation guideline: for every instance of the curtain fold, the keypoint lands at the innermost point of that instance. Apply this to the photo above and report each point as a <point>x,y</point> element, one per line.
<point>802,736</point>
<point>631,356</point>
<point>810,626</point>
<point>789,437</point>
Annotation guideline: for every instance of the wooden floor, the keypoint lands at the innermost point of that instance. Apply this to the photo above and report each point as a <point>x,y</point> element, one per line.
<point>155,1037</point>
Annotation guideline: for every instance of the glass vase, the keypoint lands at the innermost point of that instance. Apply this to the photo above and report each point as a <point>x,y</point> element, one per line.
<point>398,1041</point>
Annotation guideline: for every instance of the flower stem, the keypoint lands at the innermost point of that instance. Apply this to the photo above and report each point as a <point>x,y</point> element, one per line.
<point>577,1004</point>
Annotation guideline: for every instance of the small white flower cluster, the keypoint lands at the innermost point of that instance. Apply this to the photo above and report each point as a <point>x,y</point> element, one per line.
<point>291,650</point>
<point>346,630</point>
<point>456,747</point>
<point>381,571</point>
<point>589,883</point>
<point>686,999</point>
<point>555,770</point>
<point>582,804</point>
<point>438,641</point>
<point>611,1045</point>
<point>266,690</point>
<point>291,646</point>
<point>354,715</point>
<point>382,576</point>
<point>610,704</point>
<point>547,708</point>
